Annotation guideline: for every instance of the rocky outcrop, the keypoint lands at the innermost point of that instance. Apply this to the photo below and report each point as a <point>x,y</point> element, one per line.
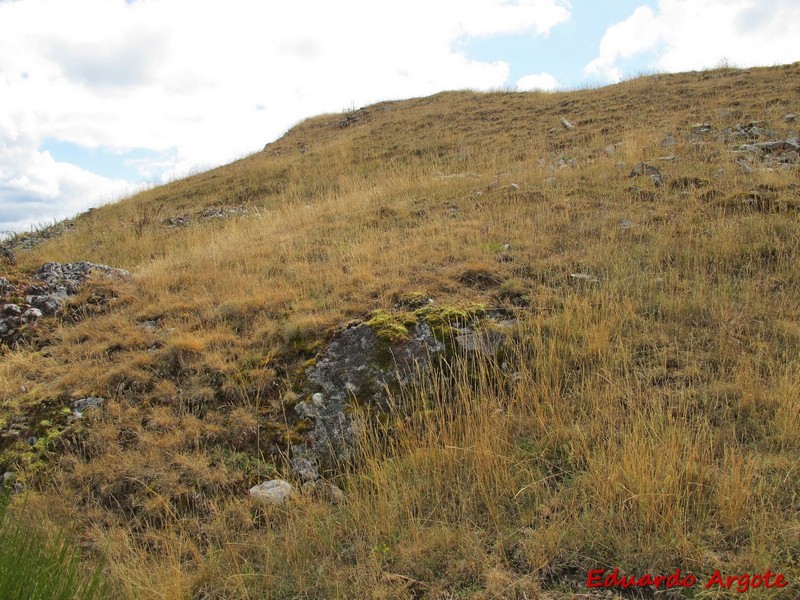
<point>751,131</point>
<point>53,283</point>
<point>27,240</point>
<point>206,214</point>
<point>365,362</point>
<point>790,145</point>
<point>361,363</point>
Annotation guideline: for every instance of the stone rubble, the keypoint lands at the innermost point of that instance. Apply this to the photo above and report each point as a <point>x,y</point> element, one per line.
<point>750,131</point>
<point>53,284</point>
<point>186,219</point>
<point>7,255</point>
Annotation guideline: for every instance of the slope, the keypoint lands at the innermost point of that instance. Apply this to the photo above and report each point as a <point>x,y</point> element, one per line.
<point>650,420</point>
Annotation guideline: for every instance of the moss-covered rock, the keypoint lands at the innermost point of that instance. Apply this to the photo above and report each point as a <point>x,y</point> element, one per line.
<point>391,327</point>
<point>366,362</point>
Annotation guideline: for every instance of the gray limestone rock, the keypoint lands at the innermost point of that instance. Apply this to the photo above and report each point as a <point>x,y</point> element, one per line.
<point>484,341</point>
<point>358,366</point>
<point>31,315</point>
<point>669,141</point>
<point>84,404</point>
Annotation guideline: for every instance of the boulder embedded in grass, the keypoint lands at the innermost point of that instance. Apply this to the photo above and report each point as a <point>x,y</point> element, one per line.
<point>274,492</point>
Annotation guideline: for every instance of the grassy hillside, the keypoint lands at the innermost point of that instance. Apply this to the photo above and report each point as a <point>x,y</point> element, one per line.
<point>646,416</point>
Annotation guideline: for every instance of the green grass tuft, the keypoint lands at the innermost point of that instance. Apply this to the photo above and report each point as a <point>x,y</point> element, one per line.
<point>34,566</point>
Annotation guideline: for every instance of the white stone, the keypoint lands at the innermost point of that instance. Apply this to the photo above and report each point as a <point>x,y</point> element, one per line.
<point>274,491</point>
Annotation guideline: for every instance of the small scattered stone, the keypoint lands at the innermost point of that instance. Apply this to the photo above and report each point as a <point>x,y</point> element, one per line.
<point>702,128</point>
<point>567,162</point>
<point>790,118</point>
<point>584,277</point>
<point>649,170</point>
<point>55,283</point>
<point>624,224</point>
<point>86,403</point>
<point>750,131</point>
<point>179,221</point>
<point>273,492</point>
<point>669,141</point>
<point>644,168</point>
<point>567,125</point>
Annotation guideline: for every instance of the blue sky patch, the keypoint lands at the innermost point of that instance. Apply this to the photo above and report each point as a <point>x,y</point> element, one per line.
<point>130,165</point>
<point>566,51</point>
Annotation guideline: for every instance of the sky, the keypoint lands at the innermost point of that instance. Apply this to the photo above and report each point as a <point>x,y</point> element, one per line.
<point>102,98</point>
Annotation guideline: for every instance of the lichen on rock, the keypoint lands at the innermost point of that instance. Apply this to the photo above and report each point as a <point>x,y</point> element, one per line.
<point>359,366</point>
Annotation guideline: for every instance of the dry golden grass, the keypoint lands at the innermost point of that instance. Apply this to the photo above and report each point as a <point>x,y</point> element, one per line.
<point>647,420</point>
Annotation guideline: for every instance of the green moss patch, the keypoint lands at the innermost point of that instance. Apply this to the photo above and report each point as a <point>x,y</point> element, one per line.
<point>391,327</point>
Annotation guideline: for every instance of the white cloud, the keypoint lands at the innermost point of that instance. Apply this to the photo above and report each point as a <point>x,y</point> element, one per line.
<point>695,34</point>
<point>206,82</point>
<point>538,81</point>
